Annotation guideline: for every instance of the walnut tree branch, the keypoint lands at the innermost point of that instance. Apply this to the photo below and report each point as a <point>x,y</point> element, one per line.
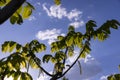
<point>38,64</point>
<point>72,63</point>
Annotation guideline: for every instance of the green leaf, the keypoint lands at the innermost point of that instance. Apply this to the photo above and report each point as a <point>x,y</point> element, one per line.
<point>53,60</point>
<point>43,47</point>
<point>59,67</point>
<point>78,40</point>
<point>60,38</point>
<point>54,47</point>
<point>119,66</point>
<point>31,6</point>
<point>27,11</point>
<point>10,73</point>
<point>69,40</point>
<point>46,58</point>
<point>83,55</point>
<point>60,55</point>
<point>107,30</point>
<point>20,20</point>
<point>33,64</point>
<point>64,78</point>
<point>70,54</point>
<point>36,47</point>
<point>34,42</point>
<point>91,23</point>
<point>23,64</point>
<point>117,76</point>
<point>114,24</point>
<point>16,75</point>
<point>9,64</point>
<point>4,2</point>
<point>5,46</point>
<point>16,18</point>
<point>57,2</point>
<point>13,19</point>
<point>71,28</point>
<point>19,10</point>
<point>25,76</point>
<point>114,77</point>
<point>12,46</point>
<point>18,48</point>
<point>86,50</point>
<point>102,36</point>
<point>90,28</point>
<point>28,76</point>
<point>70,51</point>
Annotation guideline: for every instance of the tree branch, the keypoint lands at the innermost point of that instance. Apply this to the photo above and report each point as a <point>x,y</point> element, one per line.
<point>45,71</point>
<point>42,67</point>
<point>10,9</point>
<point>65,54</point>
<point>72,63</point>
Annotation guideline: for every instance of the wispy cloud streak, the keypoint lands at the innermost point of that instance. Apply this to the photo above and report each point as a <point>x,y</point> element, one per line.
<point>60,12</point>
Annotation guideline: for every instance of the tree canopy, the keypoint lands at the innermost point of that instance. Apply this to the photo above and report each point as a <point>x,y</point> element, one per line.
<point>24,56</point>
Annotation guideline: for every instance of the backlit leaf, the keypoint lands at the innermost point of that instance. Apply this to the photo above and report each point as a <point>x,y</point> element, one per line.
<point>16,75</point>
<point>69,40</point>
<point>18,48</point>
<point>5,46</point>
<point>60,38</point>
<point>53,60</point>
<point>114,77</point>
<point>57,2</point>
<point>13,19</point>
<point>46,58</point>
<point>27,11</point>
<point>33,64</point>
<point>12,46</point>
<point>60,55</point>
<point>71,28</point>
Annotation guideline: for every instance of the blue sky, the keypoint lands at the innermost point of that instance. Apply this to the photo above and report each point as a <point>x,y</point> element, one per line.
<point>49,21</point>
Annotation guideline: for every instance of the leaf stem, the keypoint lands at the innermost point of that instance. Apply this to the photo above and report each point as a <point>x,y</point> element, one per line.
<point>65,54</point>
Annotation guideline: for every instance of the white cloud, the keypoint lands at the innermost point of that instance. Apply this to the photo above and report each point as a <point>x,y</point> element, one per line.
<point>89,17</point>
<point>90,67</point>
<point>88,58</point>
<point>61,12</point>
<point>103,77</point>
<point>55,11</point>
<point>77,24</point>
<point>50,35</point>
<point>74,14</point>
<point>38,3</point>
<point>31,18</point>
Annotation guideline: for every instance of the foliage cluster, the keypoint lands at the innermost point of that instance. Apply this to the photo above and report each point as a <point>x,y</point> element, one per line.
<point>24,56</point>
